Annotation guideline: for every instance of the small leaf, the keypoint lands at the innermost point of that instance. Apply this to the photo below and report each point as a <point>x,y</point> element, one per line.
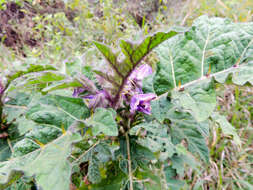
<point>226,127</point>
<point>94,175</point>
<point>157,139</point>
<point>103,120</point>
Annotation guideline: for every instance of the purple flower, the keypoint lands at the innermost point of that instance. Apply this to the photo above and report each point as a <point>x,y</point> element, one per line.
<point>88,86</point>
<point>141,102</point>
<point>78,91</point>
<point>100,99</point>
<point>141,72</point>
<point>134,84</point>
<point>1,87</point>
<point>135,79</point>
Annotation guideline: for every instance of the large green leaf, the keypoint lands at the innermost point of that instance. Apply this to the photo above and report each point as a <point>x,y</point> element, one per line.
<point>30,68</point>
<point>41,140</point>
<point>49,165</point>
<point>211,45</point>
<point>14,110</point>
<point>213,48</point>
<point>58,110</point>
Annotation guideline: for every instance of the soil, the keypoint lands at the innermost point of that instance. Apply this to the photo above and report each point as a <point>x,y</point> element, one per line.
<point>16,22</point>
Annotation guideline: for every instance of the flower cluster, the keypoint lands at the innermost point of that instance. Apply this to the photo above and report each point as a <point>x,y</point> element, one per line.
<point>132,94</point>
<point>133,91</point>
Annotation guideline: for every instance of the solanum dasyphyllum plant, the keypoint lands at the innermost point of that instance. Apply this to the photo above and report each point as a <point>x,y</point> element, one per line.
<point>125,125</point>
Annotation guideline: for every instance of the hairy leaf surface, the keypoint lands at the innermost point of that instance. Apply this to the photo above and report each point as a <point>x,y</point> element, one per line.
<point>49,165</point>
<point>103,121</point>
<point>212,48</point>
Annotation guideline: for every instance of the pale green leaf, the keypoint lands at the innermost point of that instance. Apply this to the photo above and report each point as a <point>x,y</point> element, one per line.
<point>49,165</point>
<point>226,127</point>
<point>103,120</point>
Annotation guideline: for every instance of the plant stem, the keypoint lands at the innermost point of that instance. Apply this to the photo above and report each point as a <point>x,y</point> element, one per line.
<point>83,154</point>
<point>129,162</point>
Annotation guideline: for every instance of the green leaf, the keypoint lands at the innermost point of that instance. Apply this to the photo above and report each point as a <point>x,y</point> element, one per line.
<point>38,80</point>
<point>210,48</point>
<point>94,175</point>
<point>24,147</point>
<point>49,165</point>
<point>213,48</point>
<point>62,85</point>
<point>135,52</point>
<point>184,127</point>
<point>16,105</point>
<point>140,155</point>
<point>226,127</point>
<point>5,151</point>
<point>103,120</point>
<point>20,185</point>
<point>198,100</point>
<point>110,56</point>
<point>115,179</point>
<point>172,182</point>
<point>58,110</point>
<point>31,68</point>
<point>160,108</point>
<point>156,139</point>
<point>153,181</point>
<point>178,162</point>
<point>102,152</point>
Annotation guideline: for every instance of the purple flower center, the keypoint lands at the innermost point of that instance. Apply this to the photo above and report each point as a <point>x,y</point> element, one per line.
<point>141,102</point>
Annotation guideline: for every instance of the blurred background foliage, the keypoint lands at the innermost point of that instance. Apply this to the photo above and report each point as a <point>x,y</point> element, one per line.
<point>61,31</point>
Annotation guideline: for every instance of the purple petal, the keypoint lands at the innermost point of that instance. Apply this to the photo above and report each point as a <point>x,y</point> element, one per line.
<point>134,104</point>
<point>1,87</point>
<point>141,72</point>
<point>145,108</point>
<point>100,99</point>
<point>145,97</point>
<point>78,91</point>
<point>89,97</point>
<point>134,83</point>
<point>141,102</point>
